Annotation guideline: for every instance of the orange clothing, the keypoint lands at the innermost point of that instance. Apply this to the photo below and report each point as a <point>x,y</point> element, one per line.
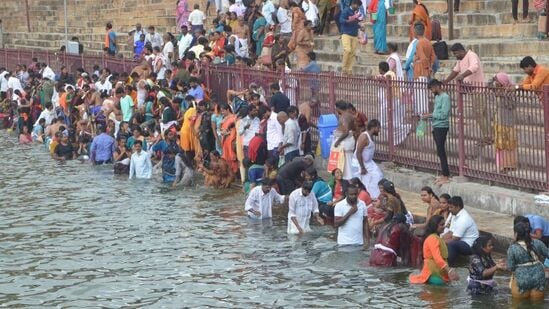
<point>536,81</point>
<point>419,14</point>
<point>424,58</point>
<point>187,136</point>
<point>228,124</point>
<point>63,102</point>
<point>435,255</point>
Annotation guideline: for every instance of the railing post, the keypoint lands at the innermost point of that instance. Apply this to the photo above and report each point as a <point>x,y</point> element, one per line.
<point>18,56</point>
<point>6,57</point>
<point>242,81</point>
<point>207,76</point>
<point>48,58</point>
<point>387,84</point>
<point>450,20</point>
<point>331,89</point>
<point>461,129</point>
<point>545,102</point>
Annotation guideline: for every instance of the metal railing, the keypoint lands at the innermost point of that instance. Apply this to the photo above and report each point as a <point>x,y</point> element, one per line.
<point>518,121</point>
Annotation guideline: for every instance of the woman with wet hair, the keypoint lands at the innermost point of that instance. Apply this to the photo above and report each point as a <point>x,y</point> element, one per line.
<point>525,259</point>
<point>483,267</point>
<point>393,240</point>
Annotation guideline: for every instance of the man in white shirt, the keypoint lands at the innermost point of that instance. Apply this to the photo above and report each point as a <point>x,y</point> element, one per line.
<point>140,162</point>
<point>103,84</point>
<point>274,135</point>
<point>311,11</point>
<point>154,38</point>
<point>48,114</point>
<point>351,219</point>
<point>248,127</point>
<point>185,41</point>
<point>267,11</point>
<point>196,19</point>
<point>260,201</point>
<point>136,33</point>
<point>301,204</point>
<point>238,8</point>
<point>290,139</point>
<point>284,19</point>
<point>47,72</point>
<point>14,84</point>
<point>462,232</point>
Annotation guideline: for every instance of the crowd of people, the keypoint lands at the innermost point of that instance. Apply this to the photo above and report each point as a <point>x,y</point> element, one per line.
<point>159,119</point>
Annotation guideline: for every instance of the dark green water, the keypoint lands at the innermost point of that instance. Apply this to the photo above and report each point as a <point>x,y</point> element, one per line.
<point>79,237</point>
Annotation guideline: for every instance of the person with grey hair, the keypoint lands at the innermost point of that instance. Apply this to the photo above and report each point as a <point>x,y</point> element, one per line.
<point>424,59</point>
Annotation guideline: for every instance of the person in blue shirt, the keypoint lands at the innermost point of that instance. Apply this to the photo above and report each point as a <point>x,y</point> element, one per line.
<point>349,20</point>
<point>195,90</point>
<point>322,191</point>
<point>139,46</point>
<point>102,147</point>
<point>539,227</point>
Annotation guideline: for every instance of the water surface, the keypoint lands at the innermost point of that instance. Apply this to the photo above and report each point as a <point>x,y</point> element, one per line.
<point>76,236</point>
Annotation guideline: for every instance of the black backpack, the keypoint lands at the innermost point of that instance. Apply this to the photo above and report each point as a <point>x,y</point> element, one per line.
<point>441,50</point>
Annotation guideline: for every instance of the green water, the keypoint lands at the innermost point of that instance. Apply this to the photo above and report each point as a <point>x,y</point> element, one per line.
<point>76,236</point>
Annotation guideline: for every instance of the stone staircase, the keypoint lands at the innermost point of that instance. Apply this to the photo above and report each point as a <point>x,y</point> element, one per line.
<point>485,26</point>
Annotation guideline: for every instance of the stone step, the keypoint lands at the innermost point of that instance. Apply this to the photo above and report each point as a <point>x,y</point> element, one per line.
<point>465,6</point>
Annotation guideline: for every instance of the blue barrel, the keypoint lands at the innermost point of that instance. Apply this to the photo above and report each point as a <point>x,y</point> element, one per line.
<point>326,127</point>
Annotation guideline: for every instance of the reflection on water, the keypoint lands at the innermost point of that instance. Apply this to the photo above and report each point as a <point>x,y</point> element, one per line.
<point>76,236</point>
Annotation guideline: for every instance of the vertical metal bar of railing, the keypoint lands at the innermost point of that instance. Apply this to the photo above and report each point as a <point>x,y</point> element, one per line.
<point>332,91</point>
<point>461,129</point>
<point>388,84</point>
<point>545,97</point>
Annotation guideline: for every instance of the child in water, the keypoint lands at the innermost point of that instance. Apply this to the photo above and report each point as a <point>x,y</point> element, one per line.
<point>25,137</point>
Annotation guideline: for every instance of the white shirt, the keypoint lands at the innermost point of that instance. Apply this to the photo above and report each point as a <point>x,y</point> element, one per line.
<point>168,48</point>
<point>284,20</point>
<point>141,165</point>
<point>238,8</point>
<point>311,11</point>
<point>159,72</point>
<point>47,115</point>
<point>137,35</point>
<point>351,232</point>
<point>155,39</point>
<point>463,226</point>
<point>291,135</point>
<point>267,11</point>
<point>301,207</point>
<point>197,18</point>
<point>274,132</point>
<point>103,86</point>
<point>250,132</point>
<point>184,43</point>
<point>262,202</point>
<point>14,84</point>
<point>3,82</point>
<point>197,49</point>
<point>48,73</point>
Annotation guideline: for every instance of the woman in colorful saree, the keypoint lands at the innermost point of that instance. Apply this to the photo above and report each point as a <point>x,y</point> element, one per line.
<point>393,240</point>
<point>435,256</point>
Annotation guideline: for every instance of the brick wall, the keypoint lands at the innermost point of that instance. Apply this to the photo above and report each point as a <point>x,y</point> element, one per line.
<point>86,20</point>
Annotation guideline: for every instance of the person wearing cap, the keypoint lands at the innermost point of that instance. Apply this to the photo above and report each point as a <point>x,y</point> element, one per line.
<point>260,201</point>
<point>102,148</point>
<point>140,163</point>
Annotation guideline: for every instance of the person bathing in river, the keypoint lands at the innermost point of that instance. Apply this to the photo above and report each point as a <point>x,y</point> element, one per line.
<point>302,203</point>
<point>392,241</point>
<point>260,201</point>
<point>219,173</point>
<point>482,267</point>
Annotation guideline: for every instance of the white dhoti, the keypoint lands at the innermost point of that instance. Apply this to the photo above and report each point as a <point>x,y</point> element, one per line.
<point>421,96</point>
<point>348,145</point>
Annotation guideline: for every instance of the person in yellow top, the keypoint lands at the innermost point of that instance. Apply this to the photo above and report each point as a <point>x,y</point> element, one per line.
<point>187,137</point>
<point>538,76</point>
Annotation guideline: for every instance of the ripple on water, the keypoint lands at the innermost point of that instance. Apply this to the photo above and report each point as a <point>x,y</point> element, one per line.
<point>76,236</point>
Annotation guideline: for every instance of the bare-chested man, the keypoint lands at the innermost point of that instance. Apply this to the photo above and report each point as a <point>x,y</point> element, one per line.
<point>144,70</point>
<point>241,37</point>
<point>344,136</point>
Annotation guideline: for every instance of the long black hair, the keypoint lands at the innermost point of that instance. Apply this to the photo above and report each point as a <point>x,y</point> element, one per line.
<point>522,230</point>
<point>429,190</point>
<point>397,219</point>
<point>389,187</point>
<point>432,225</point>
<point>478,245</point>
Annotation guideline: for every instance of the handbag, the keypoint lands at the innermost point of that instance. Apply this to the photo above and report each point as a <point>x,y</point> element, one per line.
<point>421,128</point>
<point>336,159</point>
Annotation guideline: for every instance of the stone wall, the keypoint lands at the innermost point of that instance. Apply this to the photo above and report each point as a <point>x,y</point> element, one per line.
<point>86,20</point>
